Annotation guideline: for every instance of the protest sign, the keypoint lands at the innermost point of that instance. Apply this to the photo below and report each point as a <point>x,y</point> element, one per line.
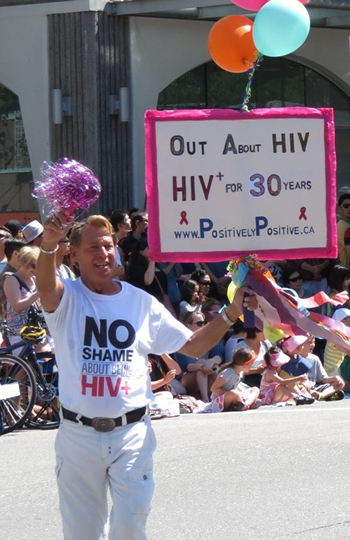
<point>223,183</point>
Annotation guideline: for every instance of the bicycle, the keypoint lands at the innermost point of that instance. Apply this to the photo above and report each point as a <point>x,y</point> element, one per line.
<point>32,400</point>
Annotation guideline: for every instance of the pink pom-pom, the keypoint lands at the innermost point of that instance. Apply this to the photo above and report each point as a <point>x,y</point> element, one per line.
<point>67,185</point>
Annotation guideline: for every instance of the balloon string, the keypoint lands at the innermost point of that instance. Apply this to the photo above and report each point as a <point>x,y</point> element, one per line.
<point>248,90</point>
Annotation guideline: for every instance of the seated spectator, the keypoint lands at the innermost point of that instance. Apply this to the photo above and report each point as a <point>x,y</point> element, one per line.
<point>189,298</point>
<point>21,292</point>
<point>229,393</point>
<point>276,270</point>
<point>255,341</point>
<point>322,386</point>
<point>16,228</point>
<point>4,235</point>
<point>33,233</point>
<point>144,273</point>
<point>204,282</point>
<point>199,373</point>
<point>333,354</point>
<point>314,273</point>
<point>165,380</point>
<point>276,389</point>
<point>217,273</point>
<point>211,308</point>
<point>237,336</point>
<point>292,279</point>
<point>338,281</point>
<point>294,347</point>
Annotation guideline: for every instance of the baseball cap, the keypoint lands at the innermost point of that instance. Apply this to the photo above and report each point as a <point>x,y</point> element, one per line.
<point>32,230</point>
<point>14,226</point>
<point>343,197</point>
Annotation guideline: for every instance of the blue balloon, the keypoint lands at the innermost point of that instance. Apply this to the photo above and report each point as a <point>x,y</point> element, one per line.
<point>281,27</point>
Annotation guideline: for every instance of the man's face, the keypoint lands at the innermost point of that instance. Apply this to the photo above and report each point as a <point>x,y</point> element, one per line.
<point>344,210</point>
<point>95,255</point>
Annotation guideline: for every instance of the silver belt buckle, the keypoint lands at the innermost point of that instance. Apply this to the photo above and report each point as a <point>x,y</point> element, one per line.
<point>103,424</point>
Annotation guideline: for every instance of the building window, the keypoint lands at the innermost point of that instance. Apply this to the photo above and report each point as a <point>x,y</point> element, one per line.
<point>15,169</point>
<point>278,82</point>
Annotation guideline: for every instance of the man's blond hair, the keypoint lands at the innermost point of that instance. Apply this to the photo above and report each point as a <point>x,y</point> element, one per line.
<point>100,222</point>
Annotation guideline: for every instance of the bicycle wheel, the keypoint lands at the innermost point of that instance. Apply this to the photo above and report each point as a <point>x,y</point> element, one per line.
<point>45,413</point>
<point>17,392</point>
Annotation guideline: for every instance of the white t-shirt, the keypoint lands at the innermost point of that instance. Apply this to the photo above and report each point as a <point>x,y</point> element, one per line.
<point>102,343</point>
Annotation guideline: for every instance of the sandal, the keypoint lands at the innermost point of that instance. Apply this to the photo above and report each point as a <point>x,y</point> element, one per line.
<point>303,400</point>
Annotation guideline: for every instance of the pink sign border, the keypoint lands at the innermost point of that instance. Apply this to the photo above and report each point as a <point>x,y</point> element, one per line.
<point>152,117</point>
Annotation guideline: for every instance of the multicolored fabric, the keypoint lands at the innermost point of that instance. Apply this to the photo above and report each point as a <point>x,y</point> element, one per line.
<point>282,309</point>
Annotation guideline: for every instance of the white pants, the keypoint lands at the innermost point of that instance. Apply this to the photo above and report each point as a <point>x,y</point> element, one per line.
<point>87,463</point>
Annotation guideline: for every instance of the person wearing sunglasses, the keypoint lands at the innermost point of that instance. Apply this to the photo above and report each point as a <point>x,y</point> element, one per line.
<point>63,271</point>
<point>201,277</point>
<point>21,292</point>
<point>199,373</point>
<point>343,228</point>
<point>292,279</point>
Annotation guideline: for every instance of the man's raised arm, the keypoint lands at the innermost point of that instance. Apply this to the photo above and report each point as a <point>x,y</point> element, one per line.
<point>49,286</point>
<point>209,335</point>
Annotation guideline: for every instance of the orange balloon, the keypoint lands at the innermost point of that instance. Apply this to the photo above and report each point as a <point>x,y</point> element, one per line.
<point>231,45</point>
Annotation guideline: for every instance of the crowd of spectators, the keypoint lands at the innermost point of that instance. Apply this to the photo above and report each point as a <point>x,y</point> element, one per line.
<point>244,370</point>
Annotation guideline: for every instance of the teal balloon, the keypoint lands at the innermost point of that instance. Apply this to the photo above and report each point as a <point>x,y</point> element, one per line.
<point>281,27</point>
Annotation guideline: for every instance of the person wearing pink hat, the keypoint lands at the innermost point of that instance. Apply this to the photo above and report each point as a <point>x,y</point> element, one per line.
<point>294,345</point>
<point>276,389</point>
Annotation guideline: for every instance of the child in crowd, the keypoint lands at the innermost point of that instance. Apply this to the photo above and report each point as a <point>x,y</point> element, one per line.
<point>229,393</point>
<point>275,389</point>
<point>189,298</point>
<point>256,341</point>
<point>166,381</point>
<point>322,387</point>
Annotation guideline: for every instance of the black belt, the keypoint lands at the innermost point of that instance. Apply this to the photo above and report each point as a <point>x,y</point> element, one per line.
<point>105,424</point>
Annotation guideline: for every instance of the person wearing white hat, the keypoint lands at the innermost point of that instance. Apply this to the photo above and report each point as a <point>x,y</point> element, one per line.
<point>33,233</point>
<point>334,355</point>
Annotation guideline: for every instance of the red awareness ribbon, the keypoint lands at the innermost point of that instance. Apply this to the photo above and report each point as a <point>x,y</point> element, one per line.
<point>184,219</point>
<point>302,213</point>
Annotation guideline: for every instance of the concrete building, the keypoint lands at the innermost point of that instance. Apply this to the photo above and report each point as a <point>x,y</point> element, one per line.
<point>83,72</point>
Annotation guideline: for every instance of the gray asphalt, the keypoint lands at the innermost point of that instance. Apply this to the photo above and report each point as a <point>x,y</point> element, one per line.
<point>264,474</point>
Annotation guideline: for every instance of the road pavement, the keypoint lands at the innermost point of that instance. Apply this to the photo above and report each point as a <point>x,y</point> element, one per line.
<point>269,474</point>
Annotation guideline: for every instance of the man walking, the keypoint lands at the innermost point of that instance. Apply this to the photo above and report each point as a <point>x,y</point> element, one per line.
<point>103,331</point>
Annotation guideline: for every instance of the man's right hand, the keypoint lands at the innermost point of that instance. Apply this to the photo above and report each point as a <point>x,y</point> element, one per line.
<point>55,228</point>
